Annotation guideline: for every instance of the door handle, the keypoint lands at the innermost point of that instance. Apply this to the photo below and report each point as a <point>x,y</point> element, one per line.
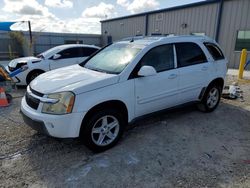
<point>204,68</point>
<point>172,76</point>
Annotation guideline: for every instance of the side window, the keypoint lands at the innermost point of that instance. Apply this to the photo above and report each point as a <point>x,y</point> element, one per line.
<point>161,58</point>
<point>215,51</point>
<point>87,51</point>
<point>69,53</point>
<point>189,53</point>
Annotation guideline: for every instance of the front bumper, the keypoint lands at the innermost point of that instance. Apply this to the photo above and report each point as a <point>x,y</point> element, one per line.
<point>19,79</point>
<point>60,126</point>
<point>35,124</point>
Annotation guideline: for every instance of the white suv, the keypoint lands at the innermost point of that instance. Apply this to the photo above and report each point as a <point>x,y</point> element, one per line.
<point>125,80</point>
<point>57,57</point>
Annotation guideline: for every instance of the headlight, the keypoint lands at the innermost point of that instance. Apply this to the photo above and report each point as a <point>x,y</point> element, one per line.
<point>63,106</point>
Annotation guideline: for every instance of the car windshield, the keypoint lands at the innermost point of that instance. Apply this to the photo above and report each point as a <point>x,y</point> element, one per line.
<point>47,52</point>
<point>113,59</point>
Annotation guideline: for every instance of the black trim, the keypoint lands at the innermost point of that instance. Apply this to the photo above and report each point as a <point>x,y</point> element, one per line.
<point>36,92</point>
<point>31,101</point>
<point>162,112</point>
<point>146,24</point>
<point>37,125</point>
<point>202,93</point>
<point>219,21</point>
<point>165,9</point>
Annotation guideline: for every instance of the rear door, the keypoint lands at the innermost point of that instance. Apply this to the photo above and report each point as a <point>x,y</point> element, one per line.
<point>194,69</point>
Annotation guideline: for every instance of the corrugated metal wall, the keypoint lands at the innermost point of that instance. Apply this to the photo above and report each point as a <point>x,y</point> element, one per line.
<point>44,41</point>
<point>197,19</point>
<point>123,28</point>
<point>236,16</point>
<point>201,19</point>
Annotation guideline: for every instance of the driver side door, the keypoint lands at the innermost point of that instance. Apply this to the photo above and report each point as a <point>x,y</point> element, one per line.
<point>159,91</point>
<point>67,57</point>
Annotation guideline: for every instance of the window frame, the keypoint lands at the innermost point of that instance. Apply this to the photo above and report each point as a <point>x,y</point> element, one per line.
<point>178,66</point>
<point>217,48</point>
<point>236,39</point>
<point>136,69</point>
<point>71,48</point>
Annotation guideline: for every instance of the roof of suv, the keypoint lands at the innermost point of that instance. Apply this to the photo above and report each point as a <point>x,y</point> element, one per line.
<point>152,39</point>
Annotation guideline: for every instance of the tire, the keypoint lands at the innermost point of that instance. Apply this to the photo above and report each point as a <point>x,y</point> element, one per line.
<point>211,98</point>
<point>99,132</point>
<point>32,75</point>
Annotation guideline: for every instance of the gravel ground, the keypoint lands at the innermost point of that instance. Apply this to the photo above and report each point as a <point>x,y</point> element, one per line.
<point>178,148</point>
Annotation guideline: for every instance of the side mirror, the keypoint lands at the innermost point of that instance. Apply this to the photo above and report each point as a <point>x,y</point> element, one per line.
<point>56,56</point>
<point>147,71</point>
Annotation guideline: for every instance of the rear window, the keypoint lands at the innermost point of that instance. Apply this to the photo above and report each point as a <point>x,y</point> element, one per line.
<point>215,51</point>
<point>189,53</point>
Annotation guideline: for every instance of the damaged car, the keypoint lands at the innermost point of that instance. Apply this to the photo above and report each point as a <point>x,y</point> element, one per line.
<point>57,57</point>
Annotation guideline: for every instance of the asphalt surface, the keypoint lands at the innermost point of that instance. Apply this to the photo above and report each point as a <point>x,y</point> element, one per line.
<point>178,148</point>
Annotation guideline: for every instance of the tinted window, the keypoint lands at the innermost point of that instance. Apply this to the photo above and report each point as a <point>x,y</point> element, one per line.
<point>214,51</point>
<point>86,51</point>
<point>243,40</point>
<point>189,54</point>
<point>70,53</point>
<point>161,58</point>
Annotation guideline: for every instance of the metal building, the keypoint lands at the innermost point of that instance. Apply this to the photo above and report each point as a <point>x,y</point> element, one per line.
<point>16,44</point>
<point>227,21</point>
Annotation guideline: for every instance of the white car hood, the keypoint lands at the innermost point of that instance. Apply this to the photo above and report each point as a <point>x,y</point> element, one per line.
<point>14,62</point>
<point>72,78</point>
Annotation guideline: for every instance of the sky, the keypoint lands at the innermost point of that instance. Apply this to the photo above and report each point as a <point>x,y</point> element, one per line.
<point>75,16</point>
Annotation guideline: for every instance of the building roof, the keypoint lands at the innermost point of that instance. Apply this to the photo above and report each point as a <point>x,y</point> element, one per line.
<point>165,9</point>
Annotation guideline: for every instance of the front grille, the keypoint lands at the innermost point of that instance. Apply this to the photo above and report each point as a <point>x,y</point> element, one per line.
<point>31,101</point>
<point>36,92</point>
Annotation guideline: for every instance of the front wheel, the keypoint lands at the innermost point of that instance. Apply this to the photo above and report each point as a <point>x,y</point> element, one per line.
<point>211,99</point>
<point>32,75</point>
<point>103,130</point>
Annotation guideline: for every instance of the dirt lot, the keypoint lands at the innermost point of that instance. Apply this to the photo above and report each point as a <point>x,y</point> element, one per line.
<point>179,148</point>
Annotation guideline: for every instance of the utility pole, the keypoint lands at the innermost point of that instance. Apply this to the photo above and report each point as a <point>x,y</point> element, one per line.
<point>30,33</point>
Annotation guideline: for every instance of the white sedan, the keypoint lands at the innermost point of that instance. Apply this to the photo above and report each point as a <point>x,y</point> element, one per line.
<point>57,57</point>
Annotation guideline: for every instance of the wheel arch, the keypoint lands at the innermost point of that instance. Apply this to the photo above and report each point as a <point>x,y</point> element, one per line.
<point>219,81</point>
<point>116,104</point>
<point>33,71</point>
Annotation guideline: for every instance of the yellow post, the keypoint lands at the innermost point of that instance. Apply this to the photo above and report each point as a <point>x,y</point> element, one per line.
<point>243,59</point>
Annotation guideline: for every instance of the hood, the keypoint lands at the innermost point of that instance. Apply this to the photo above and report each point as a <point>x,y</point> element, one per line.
<point>72,78</point>
<point>14,62</point>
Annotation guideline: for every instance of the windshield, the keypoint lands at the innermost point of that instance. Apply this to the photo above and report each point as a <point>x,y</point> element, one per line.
<point>48,52</point>
<point>113,59</point>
